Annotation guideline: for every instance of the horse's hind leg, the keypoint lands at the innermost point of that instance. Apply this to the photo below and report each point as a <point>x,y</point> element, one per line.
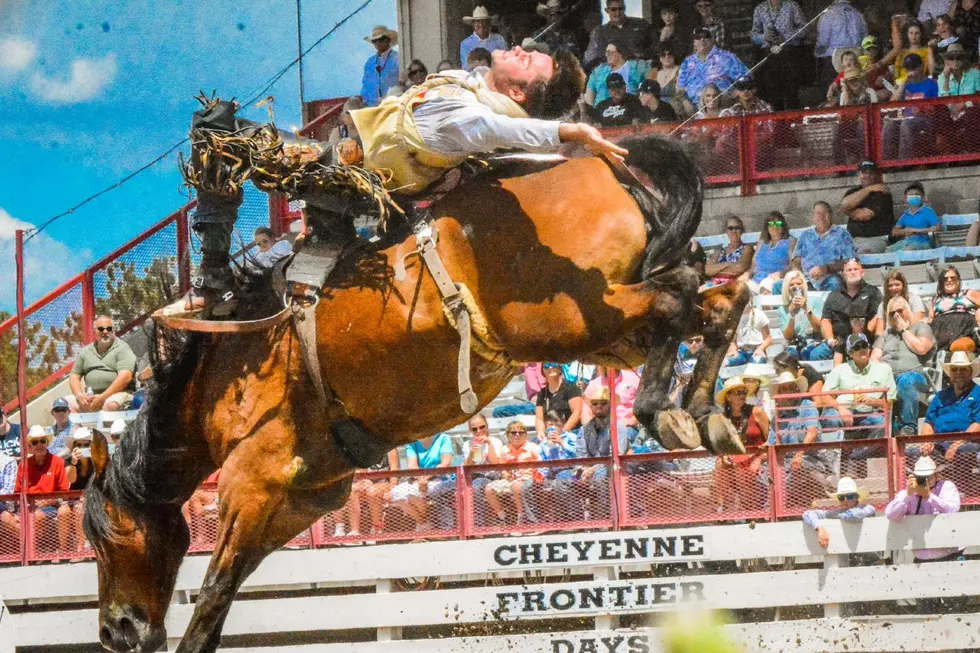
<point>720,311</point>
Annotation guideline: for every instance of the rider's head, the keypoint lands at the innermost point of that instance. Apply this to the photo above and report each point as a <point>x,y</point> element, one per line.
<point>546,86</point>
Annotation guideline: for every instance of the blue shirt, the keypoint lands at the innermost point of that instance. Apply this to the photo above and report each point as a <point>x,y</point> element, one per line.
<point>471,42</point>
<point>857,513</point>
<point>10,443</point>
<point>720,67</point>
<point>798,422</point>
<point>770,258</point>
<point>842,26</point>
<point>950,414</point>
<point>921,90</point>
<point>923,218</point>
<point>563,451</point>
<point>813,250</point>
<point>431,457</point>
<point>633,71</point>
<point>375,84</point>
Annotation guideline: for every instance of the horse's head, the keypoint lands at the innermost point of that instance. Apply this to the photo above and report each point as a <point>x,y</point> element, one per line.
<point>138,551</point>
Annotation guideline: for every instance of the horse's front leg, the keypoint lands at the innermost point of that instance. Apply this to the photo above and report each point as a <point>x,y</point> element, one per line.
<point>255,519</point>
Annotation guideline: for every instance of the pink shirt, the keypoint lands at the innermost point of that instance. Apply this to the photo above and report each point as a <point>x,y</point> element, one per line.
<point>533,380</point>
<point>947,501</point>
<point>627,384</point>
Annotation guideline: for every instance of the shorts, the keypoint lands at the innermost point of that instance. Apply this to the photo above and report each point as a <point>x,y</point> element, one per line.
<point>503,486</point>
<point>124,399</point>
<point>48,511</point>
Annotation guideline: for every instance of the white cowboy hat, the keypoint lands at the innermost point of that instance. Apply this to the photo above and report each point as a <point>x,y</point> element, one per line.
<point>37,431</point>
<point>761,371</point>
<point>846,485</point>
<point>788,378</point>
<point>962,359</point>
<point>734,383</point>
<point>838,57</point>
<point>479,13</point>
<point>117,428</point>
<point>81,434</point>
<point>924,466</point>
<point>552,5</point>
<point>597,393</point>
<point>381,31</point>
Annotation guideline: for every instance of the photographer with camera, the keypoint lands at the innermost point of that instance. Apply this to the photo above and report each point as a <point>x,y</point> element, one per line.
<point>925,494</point>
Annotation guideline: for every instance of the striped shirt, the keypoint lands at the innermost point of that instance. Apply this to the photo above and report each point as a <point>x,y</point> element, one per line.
<point>786,21</point>
<point>8,474</point>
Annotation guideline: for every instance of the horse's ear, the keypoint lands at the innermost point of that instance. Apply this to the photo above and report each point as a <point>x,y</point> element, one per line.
<point>100,453</point>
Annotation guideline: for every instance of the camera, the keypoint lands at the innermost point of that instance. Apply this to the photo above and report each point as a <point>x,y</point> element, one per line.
<point>85,452</point>
<point>922,481</point>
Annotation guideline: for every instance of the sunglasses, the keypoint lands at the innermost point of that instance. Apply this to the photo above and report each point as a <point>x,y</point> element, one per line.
<point>776,223</point>
<point>59,410</point>
<point>477,429</point>
<point>739,393</point>
<point>37,442</point>
<point>735,228</point>
<point>107,329</point>
<point>415,72</point>
<point>897,311</point>
<point>951,278</point>
<point>550,366</point>
<point>600,402</point>
<point>861,346</point>
<point>516,432</point>
<point>851,496</point>
<point>614,10</point>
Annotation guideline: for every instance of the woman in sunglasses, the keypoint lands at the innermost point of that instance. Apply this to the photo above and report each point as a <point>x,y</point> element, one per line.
<point>515,482</point>
<point>416,73</point>
<point>850,507</point>
<point>772,257</point>
<point>741,474</point>
<point>896,286</point>
<point>955,313</point>
<point>734,259</point>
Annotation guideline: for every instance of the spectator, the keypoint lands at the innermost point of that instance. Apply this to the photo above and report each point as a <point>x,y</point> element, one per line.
<point>478,58</point>
<point>777,31</point>
<point>669,36</point>
<point>787,362</point>
<point>799,320</point>
<point>102,376</point>
<point>853,90</point>
<point>116,432</point>
<point>557,38</point>
<point>930,10</point>
<point>708,65</point>
<point>734,259</point>
<point>696,258</point>
<point>939,44</point>
<point>876,70</point>
<point>560,396</point>
<point>557,445</point>
<point>772,257</point>
<point>841,26</point>
<point>655,110</point>
<point>271,251</point>
<point>821,251</point>
<point>481,36</point>
<point>907,39</point>
<point>45,474</point>
<point>666,79</point>
<point>896,286</point>
<point>416,73</point>
<point>708,106</point>
<point>627,384</point>
<point>954,409</point>
<point>716,26</point>
<point>346,128</point>
<point>906,347</point>
<point>917,225</point>
<point>799,423</point>
<point>966,17</point>
<point>851,507</point>
<point>752,339</point>
<point>433,452</point>
<point>849,309</point>
<point>958,77</point>
<point>955,313</point>
<point>516,483</point>
<point>635,34</point>
<point>9,436</point>
<point>381,69</point>
<point>748,102</point>
<point>741,474</point>
<point>870,211</point>
<point>925,494</point>
<point>620,108</point>
<point>687,358</point>
<point>445,65</point>
<point>632,71</point>
<point>478,453</point>
<point>79,471</point>
<point>8,478</point>
<point>859,410</point>
<point>62,428</point>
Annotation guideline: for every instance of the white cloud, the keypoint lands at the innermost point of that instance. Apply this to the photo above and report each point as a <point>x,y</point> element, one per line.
<point>16,54</point>
<point>47,263</point>
<point>88,78</point>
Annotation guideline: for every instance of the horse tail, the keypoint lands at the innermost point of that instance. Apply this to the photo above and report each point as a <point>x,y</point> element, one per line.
<point>674,213</point>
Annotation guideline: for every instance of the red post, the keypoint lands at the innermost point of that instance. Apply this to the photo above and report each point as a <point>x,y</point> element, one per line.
<point>746,156</point>
<point>617,500</point>
<point>778,478</point>
<point>25,520</point>
<point>88,304</point>
<point>278,208</point>
<point>872,134</point>
<point>183,251</point>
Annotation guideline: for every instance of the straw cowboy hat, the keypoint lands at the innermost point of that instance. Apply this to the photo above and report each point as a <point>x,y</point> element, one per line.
<point>760,371</point>
<point>734,383</point>
<point>38,431</point>
<point>962,359</point>
<point>81,434</point>
<point>838,56</point>
<point>846,485</point>
<point>380,32</point>
<point>479,13</point>
<point>551,6</point>
<point>118,427</point>
<point>799,383</point>
<point>598,393</point>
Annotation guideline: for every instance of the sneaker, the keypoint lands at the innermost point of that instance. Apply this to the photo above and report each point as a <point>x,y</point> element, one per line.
<point>908,430</point>
<point>338,530</point>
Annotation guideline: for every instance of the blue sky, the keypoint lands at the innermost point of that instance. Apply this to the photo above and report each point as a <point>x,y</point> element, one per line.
<point>93,89</point>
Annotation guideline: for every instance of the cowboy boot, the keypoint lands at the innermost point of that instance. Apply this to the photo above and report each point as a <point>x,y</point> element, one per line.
<point>329,232</point>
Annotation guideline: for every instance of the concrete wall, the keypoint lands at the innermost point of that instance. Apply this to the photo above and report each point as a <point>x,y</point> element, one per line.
<point>948,190</point>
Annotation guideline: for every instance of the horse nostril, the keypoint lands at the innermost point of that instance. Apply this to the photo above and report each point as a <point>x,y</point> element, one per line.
<point>128,630</point>
<point>105,636</point>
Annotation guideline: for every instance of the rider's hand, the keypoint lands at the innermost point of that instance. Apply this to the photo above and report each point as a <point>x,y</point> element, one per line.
<point>590,137</point>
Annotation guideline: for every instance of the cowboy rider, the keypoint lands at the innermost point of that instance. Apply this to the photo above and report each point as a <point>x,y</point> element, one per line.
<point>515,104</point>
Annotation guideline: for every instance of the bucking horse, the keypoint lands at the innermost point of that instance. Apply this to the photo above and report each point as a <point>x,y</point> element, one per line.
<point>560,264</point>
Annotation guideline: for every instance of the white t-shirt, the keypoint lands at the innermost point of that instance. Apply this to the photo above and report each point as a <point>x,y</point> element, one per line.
<point>482,456</point>
<point>750,328</point>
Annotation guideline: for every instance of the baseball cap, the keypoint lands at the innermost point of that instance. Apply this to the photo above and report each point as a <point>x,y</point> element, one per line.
<point>868,165</point>
<point>912,62</point>
<point>869,42</point>
<point>745,83</point>
<point>60,404</point>
<point>615,79</point>
<point>701,33</point>
<point>854,342</point>
<point>650,86</point>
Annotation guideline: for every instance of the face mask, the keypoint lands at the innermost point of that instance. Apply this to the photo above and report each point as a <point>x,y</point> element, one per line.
<point>914,200</point>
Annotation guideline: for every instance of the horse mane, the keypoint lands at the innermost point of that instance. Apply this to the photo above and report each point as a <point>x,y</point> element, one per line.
<point>150,466</point>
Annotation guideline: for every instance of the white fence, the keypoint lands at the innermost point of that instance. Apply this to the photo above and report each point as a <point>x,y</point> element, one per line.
<point>567,575</point>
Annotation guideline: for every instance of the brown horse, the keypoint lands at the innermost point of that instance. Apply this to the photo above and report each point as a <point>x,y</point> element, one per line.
<point>562,267</point>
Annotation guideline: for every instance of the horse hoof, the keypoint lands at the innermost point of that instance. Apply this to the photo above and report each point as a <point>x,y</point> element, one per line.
<point>677,429</point>
<point>720,436</point>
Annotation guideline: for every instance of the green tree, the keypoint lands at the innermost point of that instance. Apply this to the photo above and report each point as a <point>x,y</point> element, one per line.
<point>49,349</point>
<point>131,294</point>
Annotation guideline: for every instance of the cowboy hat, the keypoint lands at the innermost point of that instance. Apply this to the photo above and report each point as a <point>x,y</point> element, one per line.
<point>924,466</point>
<point>118,427</point>
<point>846,485</point>
<point>734,383</point>
<point>788,378</point>
<point>479,13</point>
<point>962,359</point>
<point>380,32</point>
<point>38,431</point>
<point>838,57</point>
<point>81,434</point>
<point>551,6</point>
<point>597,393</point>
<point>760,371</point>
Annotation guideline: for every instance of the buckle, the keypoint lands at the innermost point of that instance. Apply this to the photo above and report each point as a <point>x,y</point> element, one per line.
<point>197,282</point>
<point>227,296</point>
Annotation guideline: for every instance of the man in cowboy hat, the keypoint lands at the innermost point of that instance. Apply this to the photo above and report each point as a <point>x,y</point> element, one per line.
<point>45,474</point>
<point>799,422</point>
<point>850,507</point>
<point>925,494</point>
<point>481,36</point>
<point>955,409</point>
<point>381,69</point>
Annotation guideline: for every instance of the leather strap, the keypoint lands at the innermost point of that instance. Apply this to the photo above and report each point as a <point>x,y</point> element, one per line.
<point>304,321</point>
<point>221,326</point>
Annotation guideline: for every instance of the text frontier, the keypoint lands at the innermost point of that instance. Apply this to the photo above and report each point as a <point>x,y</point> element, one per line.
<point>638,549</point>
<point>599,598</point>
